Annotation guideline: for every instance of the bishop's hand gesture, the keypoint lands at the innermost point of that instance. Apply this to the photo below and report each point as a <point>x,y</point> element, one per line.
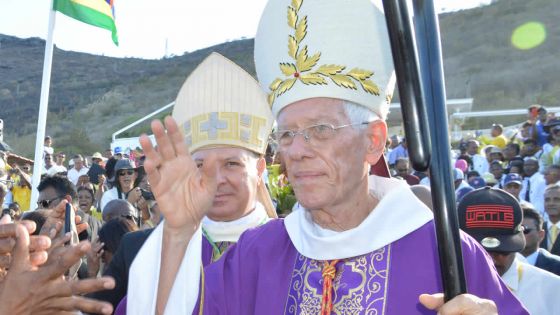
<point>184,191</point>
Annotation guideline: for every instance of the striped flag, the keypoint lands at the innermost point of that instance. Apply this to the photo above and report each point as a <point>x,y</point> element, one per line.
<point>99,13</point>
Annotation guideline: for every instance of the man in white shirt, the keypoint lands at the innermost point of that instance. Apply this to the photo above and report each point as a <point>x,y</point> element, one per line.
<point>78,170</point>
<point>533,185</point>
<point>500,231</point>
<point>479,162</point>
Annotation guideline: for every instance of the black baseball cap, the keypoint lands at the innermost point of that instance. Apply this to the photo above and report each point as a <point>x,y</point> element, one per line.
<point>493,217</point>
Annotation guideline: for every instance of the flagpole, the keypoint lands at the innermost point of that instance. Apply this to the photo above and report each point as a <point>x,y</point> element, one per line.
<point>43,110</point>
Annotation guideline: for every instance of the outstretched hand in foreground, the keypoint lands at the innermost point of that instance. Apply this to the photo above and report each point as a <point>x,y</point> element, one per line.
<point>35,284</point>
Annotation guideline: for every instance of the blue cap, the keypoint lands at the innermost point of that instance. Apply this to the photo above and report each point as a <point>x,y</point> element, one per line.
<point>118,150</point>
<point>477,182</point>
<point>513,178</point>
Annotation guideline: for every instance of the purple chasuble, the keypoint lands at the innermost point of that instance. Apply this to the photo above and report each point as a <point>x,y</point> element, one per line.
<point>264,274</point>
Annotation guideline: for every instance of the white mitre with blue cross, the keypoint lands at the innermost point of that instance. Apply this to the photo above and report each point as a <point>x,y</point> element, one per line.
<point>220,104</point>
<point>323,48</point>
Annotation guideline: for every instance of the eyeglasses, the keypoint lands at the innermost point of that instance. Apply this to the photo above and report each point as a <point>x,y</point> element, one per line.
<point>315,133</point>
<point>127,172</point>
<point>46,204</point>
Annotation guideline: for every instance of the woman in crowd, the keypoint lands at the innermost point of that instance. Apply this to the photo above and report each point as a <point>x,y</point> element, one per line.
<point>87,201</point>
<point>125,186</point>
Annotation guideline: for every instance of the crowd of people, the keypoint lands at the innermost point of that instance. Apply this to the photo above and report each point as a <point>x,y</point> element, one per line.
<point>527,166</point>
<point>188,224</point>
<point>110,197</point>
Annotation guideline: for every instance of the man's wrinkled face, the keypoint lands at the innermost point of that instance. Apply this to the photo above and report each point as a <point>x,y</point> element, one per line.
<point>324,173</point>
<point>552,203</point>
<point>237,176</point>
<point>502,261</point>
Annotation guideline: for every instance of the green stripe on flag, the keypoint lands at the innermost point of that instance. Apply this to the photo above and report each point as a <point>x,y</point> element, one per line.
<point>87,15</point>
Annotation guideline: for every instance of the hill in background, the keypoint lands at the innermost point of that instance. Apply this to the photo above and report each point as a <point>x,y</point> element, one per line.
<point>93,96</point>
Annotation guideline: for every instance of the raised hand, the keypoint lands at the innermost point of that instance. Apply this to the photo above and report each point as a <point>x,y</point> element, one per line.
<point>183,191</point>
<point>27,289</point>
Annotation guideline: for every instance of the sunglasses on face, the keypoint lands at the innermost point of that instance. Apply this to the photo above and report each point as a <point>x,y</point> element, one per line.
<point>47,203</point>
<point>127,172</point>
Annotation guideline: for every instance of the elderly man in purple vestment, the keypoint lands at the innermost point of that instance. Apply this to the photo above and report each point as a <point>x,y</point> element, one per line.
<point>357,244</point>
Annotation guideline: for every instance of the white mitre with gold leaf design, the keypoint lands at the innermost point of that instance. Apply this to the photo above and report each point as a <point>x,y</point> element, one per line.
<point>324,48</point>
<point>220,104</point>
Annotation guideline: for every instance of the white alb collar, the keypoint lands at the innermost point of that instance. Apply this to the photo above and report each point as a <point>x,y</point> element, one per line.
<point>397,214</point>
<point>512,277</point>
<point>231,231</point>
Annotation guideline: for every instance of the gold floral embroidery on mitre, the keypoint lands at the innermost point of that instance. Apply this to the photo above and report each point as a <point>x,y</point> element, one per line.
<point>302,70</point>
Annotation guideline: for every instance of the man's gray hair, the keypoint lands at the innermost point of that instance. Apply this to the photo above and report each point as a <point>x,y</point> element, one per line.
<point>358,114</point>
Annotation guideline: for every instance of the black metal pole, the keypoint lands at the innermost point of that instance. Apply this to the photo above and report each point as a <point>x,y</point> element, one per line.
<point>405,59</point>
<point>417,58</point>
<point>447,223</point>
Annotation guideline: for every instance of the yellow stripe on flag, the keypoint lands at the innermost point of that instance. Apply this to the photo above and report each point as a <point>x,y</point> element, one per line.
<point>97,5</point>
